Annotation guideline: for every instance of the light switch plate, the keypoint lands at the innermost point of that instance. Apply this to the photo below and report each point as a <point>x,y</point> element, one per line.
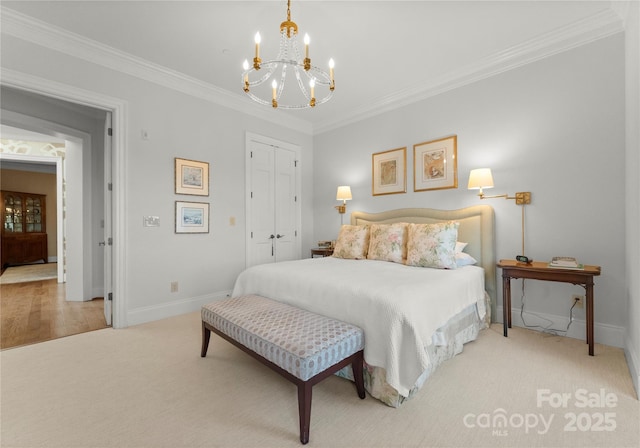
<point>151,221</point>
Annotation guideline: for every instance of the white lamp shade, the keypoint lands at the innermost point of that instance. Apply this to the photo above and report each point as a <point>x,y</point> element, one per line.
<point>344,193</point>
<point>480,178</point>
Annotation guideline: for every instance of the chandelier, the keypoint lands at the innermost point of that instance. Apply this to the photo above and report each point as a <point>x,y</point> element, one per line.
<point>311,80</point>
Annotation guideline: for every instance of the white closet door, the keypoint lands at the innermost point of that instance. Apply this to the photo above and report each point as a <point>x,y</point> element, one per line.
<point>273,208</point>
<point>285,205</point>
<point>262,197</point>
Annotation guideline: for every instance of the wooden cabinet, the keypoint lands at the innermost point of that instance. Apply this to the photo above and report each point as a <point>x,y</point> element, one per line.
<point>24,233</point>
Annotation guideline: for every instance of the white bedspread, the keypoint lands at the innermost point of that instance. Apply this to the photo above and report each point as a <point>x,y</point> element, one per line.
<point>399,307</point>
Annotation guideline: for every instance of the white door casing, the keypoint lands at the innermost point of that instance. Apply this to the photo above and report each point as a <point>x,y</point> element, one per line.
<point>107,237</point>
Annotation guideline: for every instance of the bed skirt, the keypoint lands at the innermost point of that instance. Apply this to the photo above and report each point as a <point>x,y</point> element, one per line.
<point>447,342</point>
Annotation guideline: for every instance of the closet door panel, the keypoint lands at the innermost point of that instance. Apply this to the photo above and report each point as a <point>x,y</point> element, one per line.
<point>285,205</point>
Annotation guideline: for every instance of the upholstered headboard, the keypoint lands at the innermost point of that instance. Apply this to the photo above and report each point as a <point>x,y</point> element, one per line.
<point>476,229</point>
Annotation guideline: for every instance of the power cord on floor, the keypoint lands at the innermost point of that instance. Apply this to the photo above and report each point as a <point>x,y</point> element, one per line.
<point>548,328</point>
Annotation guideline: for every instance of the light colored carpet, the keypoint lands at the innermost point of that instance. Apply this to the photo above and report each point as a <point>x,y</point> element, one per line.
<point>146,386</point>
<point>29,273</point>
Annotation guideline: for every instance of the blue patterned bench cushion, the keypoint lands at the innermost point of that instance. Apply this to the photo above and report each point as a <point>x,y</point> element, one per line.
<point>300,342</point>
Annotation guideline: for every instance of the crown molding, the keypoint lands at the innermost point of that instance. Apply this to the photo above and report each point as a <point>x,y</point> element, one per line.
<point>622,8</point>
<point>595,27</point>
<point>58,39</point>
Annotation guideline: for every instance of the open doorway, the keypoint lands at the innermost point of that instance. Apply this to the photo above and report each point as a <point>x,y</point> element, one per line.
<point>114,167</point>
<point>32,164</point>
<point>79,254</point>
<point>33,292</point>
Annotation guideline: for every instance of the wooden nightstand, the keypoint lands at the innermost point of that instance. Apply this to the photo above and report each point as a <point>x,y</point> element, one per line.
<point>539,270</point>
<point>321,252</point>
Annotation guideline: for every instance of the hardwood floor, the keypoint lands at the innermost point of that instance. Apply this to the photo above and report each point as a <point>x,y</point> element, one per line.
<point>37,311</point>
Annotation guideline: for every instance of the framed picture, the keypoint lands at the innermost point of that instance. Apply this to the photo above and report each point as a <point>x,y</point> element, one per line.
<point>389,172</point>
<point>435,164</point>
<point>192,217</point>
<point>192,177</point>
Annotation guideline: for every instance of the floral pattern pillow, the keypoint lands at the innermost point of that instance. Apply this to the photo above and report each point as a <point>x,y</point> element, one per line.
<point>432,245</point>
<point>388,242</point>
<point>352,243</point>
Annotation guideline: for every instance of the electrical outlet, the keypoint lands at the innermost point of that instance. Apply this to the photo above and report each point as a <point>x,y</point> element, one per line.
<point>174,286</point>
<point>579,299</point>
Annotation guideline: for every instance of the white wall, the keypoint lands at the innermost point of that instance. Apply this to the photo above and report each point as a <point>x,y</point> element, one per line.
<point>632,66</point>
<point>178,125</point>
<point>555,128</point>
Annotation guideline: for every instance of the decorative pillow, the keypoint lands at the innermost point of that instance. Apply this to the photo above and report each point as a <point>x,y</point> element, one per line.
<point>432,245</point>
<point>463,259</point>
<point>460,246</point>
<point>353,242</point>
<point>388,242</point>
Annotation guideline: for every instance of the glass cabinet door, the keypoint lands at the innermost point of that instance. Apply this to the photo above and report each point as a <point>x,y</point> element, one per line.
<point>8,213</point>
<point>33,217</point>
<point>23,212</point>
<point>37,215</point>
<point>13,213</point>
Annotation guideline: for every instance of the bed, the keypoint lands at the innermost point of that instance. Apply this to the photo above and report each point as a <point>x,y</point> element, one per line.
<point>413,317</point>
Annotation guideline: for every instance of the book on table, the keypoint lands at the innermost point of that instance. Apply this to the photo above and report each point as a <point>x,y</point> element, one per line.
<point>565,263</point>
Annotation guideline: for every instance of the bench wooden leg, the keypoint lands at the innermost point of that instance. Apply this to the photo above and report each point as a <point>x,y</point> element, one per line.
<point>304,409</point>
<point>304,387</point>
<point>358,368</point>
<point>206,335</point>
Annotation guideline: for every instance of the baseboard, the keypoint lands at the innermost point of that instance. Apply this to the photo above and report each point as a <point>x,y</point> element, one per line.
<point>631,354</point>
<point>52,259</point>
<point>156,312</point>
<point>604,334</point>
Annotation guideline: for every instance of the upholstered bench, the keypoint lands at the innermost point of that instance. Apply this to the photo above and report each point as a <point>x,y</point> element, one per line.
<point>302,346</point>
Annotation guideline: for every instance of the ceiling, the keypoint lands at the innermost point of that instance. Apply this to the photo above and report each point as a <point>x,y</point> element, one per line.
<point>13,133</point>
<point>13,163</point>
<point>387,53</point>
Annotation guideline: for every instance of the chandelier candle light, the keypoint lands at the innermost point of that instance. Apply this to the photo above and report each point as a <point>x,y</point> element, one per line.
<point>288,61</point>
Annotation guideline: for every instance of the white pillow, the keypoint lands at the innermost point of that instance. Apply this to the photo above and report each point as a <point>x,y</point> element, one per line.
<point>388,242</point>
<point>432,245</point>
<point>352,243</point>
<point>460,246</point>
<point>464,259</point>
